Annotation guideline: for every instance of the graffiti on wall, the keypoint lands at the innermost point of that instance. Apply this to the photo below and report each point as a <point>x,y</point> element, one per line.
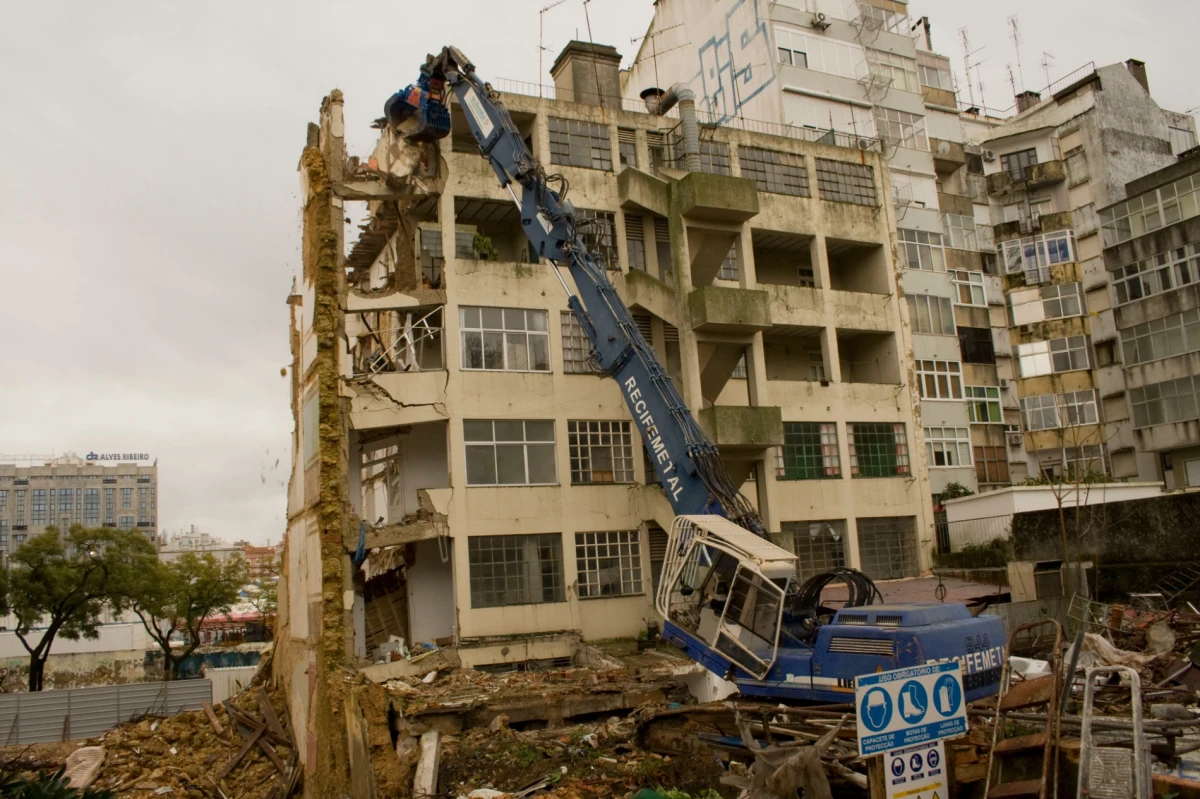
<point>735,63</point>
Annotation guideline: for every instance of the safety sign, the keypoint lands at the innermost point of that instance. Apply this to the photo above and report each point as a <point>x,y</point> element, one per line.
<point>916,772</point>
<point>900,708</point>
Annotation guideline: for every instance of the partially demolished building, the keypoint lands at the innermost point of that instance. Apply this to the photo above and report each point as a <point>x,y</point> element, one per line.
<point>463,477</point>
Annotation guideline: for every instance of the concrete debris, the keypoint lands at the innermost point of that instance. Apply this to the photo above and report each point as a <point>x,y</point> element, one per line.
<point>83,766</point>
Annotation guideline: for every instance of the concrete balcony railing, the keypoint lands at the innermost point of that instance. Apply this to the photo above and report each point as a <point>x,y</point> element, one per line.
<point>642,289</point>
<point>742,427</point>
<point>726,310</point>
<point>716,198</point>
<point>948,156</point>
<point>1036,176</point>
<point>640,191</point>
<point>800,306</point>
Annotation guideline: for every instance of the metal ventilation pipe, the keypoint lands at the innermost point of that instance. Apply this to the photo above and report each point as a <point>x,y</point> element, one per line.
<point>659,102</point>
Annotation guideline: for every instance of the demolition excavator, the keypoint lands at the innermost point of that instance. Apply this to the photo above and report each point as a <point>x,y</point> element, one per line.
<point>728,596</point>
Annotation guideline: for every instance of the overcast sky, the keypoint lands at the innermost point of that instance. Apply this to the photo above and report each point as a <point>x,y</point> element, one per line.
<point>150,221</point>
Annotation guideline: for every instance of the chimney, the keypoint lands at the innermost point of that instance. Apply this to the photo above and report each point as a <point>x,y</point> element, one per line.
<point>1027,99</point>
<point>588,73</point>
<point>1138,70</point>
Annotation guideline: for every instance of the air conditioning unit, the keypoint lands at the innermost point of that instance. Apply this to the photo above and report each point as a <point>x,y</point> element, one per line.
<point>1004,382</point>
<point>1015,439</point>
<point>863,144</point>
<point>819,22</point>
<point>989,155</point>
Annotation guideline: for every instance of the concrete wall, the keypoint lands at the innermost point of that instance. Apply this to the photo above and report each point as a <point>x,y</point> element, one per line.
<point>430,595</point>
<point>1028,499</point>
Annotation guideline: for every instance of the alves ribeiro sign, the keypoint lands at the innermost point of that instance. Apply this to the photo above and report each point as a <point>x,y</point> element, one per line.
<point>117,456</point>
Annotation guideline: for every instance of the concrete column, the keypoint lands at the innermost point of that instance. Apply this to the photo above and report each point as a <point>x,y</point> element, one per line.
<point>689,353</point>
<point>820,261</point>
<point>829,354</point>
<point>756,372</point>
<point>446,222</point>
<point>767,492</point>
<point>747,273</point>
<point>851,546</point>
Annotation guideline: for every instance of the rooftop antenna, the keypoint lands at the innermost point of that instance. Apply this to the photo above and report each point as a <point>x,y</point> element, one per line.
<point>968,66</point>
<point>1016,37</point>
<point>1011,80</point>
<point>541,36</point>
<point>1047,62</point>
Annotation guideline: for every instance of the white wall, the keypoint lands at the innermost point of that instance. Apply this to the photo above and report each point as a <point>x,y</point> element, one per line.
<point>1020,499</point>
<point>430,594</point>
<point>113,638</point>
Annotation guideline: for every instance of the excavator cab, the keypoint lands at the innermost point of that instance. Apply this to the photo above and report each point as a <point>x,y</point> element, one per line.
<point>722,593</point>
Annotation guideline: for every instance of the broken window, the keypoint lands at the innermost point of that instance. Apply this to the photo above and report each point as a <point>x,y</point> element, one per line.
<point>627,147</point>
<point>509,452</point>
<point>781,173</point>
<point>515,569</point>
<point>504,339</point>
<point>609,564</point>
<point>575,143</point>
<point>809,452</point>
<point>887,547</point>
<point>577,358</point>
<point>846,183</point>
<point>635,241</point>
<point>820,546</point>
<point>601,452</point>
<point>878,449</point>
<point>599,232</point>
<point>948,446</point>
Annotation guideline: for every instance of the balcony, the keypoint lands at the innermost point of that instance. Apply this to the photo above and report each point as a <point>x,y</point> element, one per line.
<point>642,192</point>
<point>793,306</point>
<point>734,427</point>
<point>723,310</point>
<point>715,198</point>
<point>948,156</point>
<point>1035,176</point>
<point>648,292</point>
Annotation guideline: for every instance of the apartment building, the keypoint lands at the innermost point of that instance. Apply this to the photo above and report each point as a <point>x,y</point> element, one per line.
<point>1152,256</point>
<point>869,72</point>
<point>72,490</point>
<point>1066,152</point>
<point>494,487</point>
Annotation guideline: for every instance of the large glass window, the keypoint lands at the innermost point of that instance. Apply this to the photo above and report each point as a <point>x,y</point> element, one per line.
<point>970,288</point>
<point>1052,411</point>
<point>932,315</point>
<point>960,232</point>
<point>939,380</point>
<point>934,71</point>
<point>887,547</point>
<point>1165,403</point>
<point>780,173</point>
<point>1036,254</point>
<point>975,344</point>
<point>809,452</point>
<point>601,452</point>
<point>1054,356</point>
<point>921,250</point>
<point>609,564</point>
<point>509,452</point>
<point>37,506</point>
<point>948,446</point>
<point>504,339</point>
<point>841,182</point>
<point>1062,301</point>
<point>1159,338</point>
<point>515,569</point>
<point>900,70</point>
<point>983,405</point>
<point>819,53</point>
<point>991,465</point>
<point>878,449</point>
<point>577,358</point>
<point>91,506</point>
<point>1149,212</point>
<point>1157,274</point>
<point>820,546</point>
<point>584,144</point>
<point>1016,164</point>
<point>901,128</point>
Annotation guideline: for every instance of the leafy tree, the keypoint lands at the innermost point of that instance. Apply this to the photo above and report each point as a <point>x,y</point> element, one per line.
<point>177,596</point>
<point>265,599</point>
<point>57,585</point>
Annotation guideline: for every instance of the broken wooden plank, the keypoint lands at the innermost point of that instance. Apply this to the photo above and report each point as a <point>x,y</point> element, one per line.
<point>268,713</point>
<point>237,758</point>
<point>212,718</point>
<point>271,754</point>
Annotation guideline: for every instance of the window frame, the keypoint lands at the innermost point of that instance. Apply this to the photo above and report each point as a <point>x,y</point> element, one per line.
<point>525,442</point>
<point>921,312</point>
<point>960,232</point>
<point>581,450</point>
<point>901,128</point>
<point>986,398</point>
<point>984,469</point>
<point>1017,162</point>
<point>599,155</point>
<point>844,182</point>
<point>969,282</point>
<point>466,328</point>
<point>928,375</point>
<point>954,445</point>
<point>588,560</point>
<point>911,242</point>
<point>775,172</point>
<point>809,452</point>
<point>901,461</point>
<point>507,569</point>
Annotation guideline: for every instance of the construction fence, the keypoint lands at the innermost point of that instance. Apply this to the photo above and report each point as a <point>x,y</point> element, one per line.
<point>87,712</point>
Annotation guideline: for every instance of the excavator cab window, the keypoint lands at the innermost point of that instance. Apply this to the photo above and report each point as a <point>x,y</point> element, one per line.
<point>748,633</point>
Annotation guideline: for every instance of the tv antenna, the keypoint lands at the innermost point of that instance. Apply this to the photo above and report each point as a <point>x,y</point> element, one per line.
<point>1047,62</point>
<point>1016,38</point>
<point>968,66</point>
<point>541,42</point>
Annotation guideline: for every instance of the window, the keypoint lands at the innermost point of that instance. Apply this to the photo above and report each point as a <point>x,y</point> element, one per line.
<point>1150,341</point>
<point>577,349</point>
<point>901,128</point>
<point>64,501</point>
<point>1165,403</point>
<point>960,232</point>
<point>878,449</point>
<point>983,405</point>
<point>662,247</point>
<point>939,380</point>
<point>1052,357</point>
<point>627,147</point>
<point>601,452</point>
<point>515,569</point>
<point>126,497</point>
<point>874,18</point>
<point>609,564</point>
<point>126,523</point>
<point>509,452</point>
<point>1016,163</point>
<point>975,344</point>
<point>584,144</point>
<point>820,546</point>
<point>846,183</point>
<point>91,506</point>
<point>970,288</point>
<point>1079,408</point>
<point>1157,274</point>
<point>934,71</point>
<point>948,446</point>
<point>464,245</point>
<point>1036,254</point>
<point>819,53</point>
<point>599,232</point>
<point>991,465</point>
<point>921,250</point>
<point>901,71</point>
<point>1181,139</point>
<point>729,267</point>
<point>1052,411</point>
<point>3,501</point>
<point>1061,301</point>
<point>809,452</point>
<point>656,144</point>
<point>932,315</point>
<point>714,157</point>
<point>780,173</point>
<point>37,506</point>
<point>1086,460</point>
<point>504,339</point>
<point>887,547</point>
<point>635,241</point>
<point>1151,211</point>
